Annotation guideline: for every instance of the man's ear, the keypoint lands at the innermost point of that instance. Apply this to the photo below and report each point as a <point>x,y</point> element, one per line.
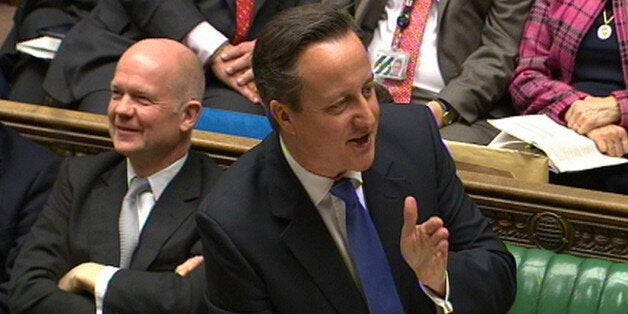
<point>190,113</point>
<point>282,115</point>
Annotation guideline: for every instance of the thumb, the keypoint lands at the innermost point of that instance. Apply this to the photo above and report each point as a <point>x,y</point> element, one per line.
<point>410,215</point>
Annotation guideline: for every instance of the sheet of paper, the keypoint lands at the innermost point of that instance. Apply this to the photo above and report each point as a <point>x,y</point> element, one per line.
<point>44,47</point>
<point>566,149</point>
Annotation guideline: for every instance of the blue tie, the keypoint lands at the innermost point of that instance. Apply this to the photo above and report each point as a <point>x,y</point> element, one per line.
<point>367,253</point>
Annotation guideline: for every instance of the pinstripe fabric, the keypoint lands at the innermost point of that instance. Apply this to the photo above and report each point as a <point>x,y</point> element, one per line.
<point>552,35</point>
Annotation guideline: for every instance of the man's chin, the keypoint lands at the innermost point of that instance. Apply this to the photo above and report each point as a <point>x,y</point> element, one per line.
<point>125,149</point>
<point>363,163</point>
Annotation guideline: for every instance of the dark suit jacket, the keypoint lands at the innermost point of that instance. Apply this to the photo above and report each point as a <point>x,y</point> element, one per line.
<point>27,172</point>
<point>80,224</point>
<point>86,61</point>
<point>478,41</point>
<point>34,18</point>
<point>267,249</point>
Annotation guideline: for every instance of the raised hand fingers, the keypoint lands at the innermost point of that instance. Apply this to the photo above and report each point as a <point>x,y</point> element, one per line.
<point>410,215</point>
<point>189,265</point>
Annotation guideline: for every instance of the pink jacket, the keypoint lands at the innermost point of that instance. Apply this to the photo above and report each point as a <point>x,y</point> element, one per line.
<point>542,80</point>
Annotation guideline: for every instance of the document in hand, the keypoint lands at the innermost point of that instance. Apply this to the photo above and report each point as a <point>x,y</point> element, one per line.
<point>567,150</point>
<point>44,47</point>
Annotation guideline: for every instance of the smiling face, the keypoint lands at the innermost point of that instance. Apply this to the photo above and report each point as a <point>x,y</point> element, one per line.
<point>335,129</point>
<point>149,119</point>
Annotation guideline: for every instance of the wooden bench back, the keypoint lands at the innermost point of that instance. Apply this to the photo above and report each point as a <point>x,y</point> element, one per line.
<point>563,219</point>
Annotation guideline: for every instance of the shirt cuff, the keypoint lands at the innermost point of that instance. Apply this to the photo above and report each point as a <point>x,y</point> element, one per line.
<point>204,40</point>
<point>442,305</point>
<point>102,282</point>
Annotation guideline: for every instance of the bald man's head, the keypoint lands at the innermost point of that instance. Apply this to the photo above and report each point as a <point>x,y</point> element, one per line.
<point>174,59</point>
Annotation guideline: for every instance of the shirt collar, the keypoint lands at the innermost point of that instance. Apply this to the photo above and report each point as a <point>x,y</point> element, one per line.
<point>316,186</point>
<point>159,180</point>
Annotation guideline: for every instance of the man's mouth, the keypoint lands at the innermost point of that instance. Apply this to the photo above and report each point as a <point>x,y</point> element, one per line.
<point>361,140</point>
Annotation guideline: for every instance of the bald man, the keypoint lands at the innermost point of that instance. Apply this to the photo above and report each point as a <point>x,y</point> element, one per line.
<point>71,263</point>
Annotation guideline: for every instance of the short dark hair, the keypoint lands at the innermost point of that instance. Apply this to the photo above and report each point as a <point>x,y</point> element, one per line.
<point>280,45</point>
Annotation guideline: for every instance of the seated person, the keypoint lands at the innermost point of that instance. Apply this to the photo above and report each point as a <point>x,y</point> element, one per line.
<point>578,80</point>
<point>93,249</point>
<point>32,19</point>
<point>459,63</point>
<point>79,75</point>
<point>27,172</point>
<point>273,229</point>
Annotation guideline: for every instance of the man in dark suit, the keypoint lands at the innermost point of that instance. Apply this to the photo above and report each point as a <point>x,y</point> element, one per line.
<point>33,19</point>
<point>79,75</point>
<point>470,47</point>
<point>274,237</point>
<point>71,263</point>
<point>27,172</point>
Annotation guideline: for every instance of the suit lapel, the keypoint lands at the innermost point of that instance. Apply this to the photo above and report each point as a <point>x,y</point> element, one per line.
<point>104,211</point>
<point>385,194</point>
<point>306,235</point>
<point>170,211</point>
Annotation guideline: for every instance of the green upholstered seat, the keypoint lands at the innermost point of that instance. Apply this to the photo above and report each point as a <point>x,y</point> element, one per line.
<point>548,282</point>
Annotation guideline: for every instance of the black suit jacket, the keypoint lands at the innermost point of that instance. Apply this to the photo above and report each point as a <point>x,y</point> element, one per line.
<point>32,19</point>
<point>27,172</point>
<point>267,249</point>
<point>80,224</point>
<point>86,61</point>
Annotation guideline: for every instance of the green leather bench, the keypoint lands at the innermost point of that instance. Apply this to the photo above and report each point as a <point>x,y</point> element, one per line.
<point>550,283</point>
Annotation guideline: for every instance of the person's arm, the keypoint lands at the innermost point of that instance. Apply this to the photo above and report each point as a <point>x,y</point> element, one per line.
<point>534,88</point>
<point>157,291</point>
<point>487,71</point>
<point>482,274</point>
<point>621,96</point>
<point>183,21</point>
<point>170,19</point>
<point>34,199</point>
<point>234,282</point>
<point>43,259</point>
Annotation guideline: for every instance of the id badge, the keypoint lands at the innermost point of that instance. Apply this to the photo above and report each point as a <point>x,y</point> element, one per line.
<point>391,64</point>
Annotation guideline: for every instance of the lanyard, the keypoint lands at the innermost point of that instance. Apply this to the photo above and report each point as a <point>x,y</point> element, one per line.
<point>403,20</point>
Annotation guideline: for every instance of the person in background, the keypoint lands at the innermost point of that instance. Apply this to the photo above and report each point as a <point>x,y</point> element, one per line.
<point>575,72</point>
<point>221,32</point>
<point>33,19</point>
<point>461,57</point>
<point>27,172</point>
<point>349,206</point>
<point>118,231</point>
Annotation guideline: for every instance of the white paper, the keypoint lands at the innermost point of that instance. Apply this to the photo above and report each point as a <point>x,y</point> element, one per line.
<point>44,47</point>
<point>567,150</point>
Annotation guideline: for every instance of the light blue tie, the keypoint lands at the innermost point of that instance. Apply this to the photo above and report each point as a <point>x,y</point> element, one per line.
<point>128,222</point>
<point>367,253</point>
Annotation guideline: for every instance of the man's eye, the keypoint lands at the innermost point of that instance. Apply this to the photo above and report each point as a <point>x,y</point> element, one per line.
<point>144,101</point>
<point>337,107</point>
<point>116,95</point>
<point>368,91</point>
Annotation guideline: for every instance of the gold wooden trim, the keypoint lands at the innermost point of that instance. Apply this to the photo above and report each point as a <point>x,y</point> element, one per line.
<point>597,222</point>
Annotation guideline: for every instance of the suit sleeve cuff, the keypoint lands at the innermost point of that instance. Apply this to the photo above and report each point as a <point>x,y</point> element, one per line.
<point>442,305</point>
<point>204,40</point>
<point>102,282</point>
